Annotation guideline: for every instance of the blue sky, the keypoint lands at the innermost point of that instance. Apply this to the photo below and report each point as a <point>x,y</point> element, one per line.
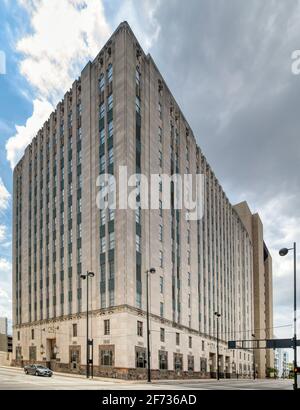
<point>228,64</point>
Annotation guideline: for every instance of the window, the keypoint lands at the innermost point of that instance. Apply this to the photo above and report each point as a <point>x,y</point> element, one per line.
<point>112,240</point>
<point>190,363</point>
<point>138,215</point>
<point>160,208</point>
<point>177,339</point>
<point>140,328</point>
<point>163,360</point>
<point>102,216</point>
<point>161,259</point>
<point>140,357</point>
<point>189,257</point>
<point>111,213</point>
<point>32,353</point>
<point>160,233</point>
<point>110,102</point>
<point>102,163</point>
<point>18,335</point>
<point>160,159</point>
<point>110,129</point>
<point>138,243</point>
<point>160,110</point>
<point>190,342</point>
<point>161,285</point>
<point>138,77</point>
<point>110,73</point>
<point>103,244</point>
<point>138,105</point>
<point>107,327</point>
<point>160,134</point>
<point>161,309</point>
<point>162,334</point>
<point>101,83</point>
<point>102,136</point>
<point>32,334</point>
<point>189,301</point>
<point>189,279</point>
<point>74,330</point>
<point>102,111</point>
<point>178,362</point>
<point>107,356</point>
<point>111,156</point>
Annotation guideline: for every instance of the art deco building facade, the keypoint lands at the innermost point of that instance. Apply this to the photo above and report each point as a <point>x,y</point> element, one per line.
<point>120,112</point>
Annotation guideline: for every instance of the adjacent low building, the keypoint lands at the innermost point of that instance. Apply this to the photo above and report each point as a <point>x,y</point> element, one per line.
<point>120,112</point>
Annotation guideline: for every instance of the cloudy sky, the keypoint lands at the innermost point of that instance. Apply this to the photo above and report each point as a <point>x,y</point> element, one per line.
<point>228,63</point>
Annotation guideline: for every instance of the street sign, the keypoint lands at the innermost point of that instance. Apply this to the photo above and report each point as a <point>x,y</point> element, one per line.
<point>262,344</point>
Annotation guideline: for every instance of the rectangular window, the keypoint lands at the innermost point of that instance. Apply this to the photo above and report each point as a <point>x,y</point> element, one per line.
<point>177,339</point>
<point>138,243</point>
<point>102,111</point>
<point>110,129</point>
<point>163,360</point>
<point>111,213</point>
<point>32,334</point>
<point>110,102</point>
<point>102,163</point>
<point>161,233</point>
<point>111,156</point>
<point>160,110</point>
<point>139,328</point>
<point>160,134</point>
<point>190,342</point>
<point>102,136</point>
<point>103,245</point>
<point>161,309</point>
<point>74,330</point>
<point>161,285</point>
<point>189,279</point>
<point>162,335</point>
<point>160,159</point>
<point>102,217</point>
<point>112,240</point>
<point>106,357</point>
<point>138,105</point>
<point>161,259</point>
<point>107,327</point>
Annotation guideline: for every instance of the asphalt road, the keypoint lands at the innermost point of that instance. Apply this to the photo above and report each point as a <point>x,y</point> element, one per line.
<point>16,379</point>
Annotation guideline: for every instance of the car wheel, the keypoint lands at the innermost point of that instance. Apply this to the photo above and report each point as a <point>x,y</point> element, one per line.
<point>37,373</point>
<point>26,371</point>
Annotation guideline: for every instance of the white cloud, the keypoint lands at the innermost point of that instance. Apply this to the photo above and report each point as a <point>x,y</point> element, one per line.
<point>4,196</point>
<point>65,34</point>
<point>16,145</point>
<point>141,17</point>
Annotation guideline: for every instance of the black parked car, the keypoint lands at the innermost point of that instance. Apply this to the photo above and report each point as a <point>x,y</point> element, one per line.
<point>38,370</point>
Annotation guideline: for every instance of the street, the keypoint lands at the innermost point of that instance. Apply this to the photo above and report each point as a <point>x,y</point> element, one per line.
<point>16,379</point>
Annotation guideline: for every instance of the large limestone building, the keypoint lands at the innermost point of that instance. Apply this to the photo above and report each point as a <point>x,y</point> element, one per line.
<point>120,112</point>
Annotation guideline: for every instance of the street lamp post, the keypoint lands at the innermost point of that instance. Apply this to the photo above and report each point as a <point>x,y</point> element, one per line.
<point>254,365</point>
<point>152,270</point>
<point>218,315</point>
<point>284,252</point>
<point>87,276</point>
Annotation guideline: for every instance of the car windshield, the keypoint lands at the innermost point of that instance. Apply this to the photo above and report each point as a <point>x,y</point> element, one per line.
<point>41,367</point>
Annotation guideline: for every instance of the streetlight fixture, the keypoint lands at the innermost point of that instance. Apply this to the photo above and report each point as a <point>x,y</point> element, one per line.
<point>152,271</point>
<point>284,252</point>
<point>218,315</point>
<point>254,365</point>
<point>87,276</point>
